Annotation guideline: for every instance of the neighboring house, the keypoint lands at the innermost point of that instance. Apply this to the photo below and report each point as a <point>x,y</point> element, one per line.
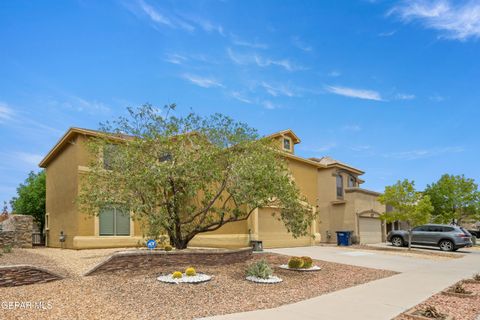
<point>331,188</point>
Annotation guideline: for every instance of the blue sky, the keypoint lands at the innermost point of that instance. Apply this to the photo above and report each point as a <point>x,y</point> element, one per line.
<point>390,87</point>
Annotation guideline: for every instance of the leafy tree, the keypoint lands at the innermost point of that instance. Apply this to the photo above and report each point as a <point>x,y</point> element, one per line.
<point>407,204</point>
<point>186,175</point>
<point>455,198</point>
<point>30,198</point>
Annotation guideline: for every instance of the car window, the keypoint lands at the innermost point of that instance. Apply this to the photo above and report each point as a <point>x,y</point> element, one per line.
<point>421,228</point>
<point>465,231</point>
<point>435,228</point>
<point>447,229</point>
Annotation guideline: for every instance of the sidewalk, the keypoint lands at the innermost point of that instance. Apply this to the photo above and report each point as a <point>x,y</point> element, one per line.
<point>382,299</point>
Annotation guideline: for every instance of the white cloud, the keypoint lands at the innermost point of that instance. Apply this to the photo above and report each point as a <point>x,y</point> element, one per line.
<point>334,73</point>
<point>387,34</point>
<point>240,97</point>
<point>437,98</point>
<point>175,58</point>
<point>355,93</point>
<point>80,104</point>
<point>361,148</point>
<point>245,59</point>
<point>269,105</point>
<point>454,20</point>
<point>243,43</point>
<point>154,15</point>
<point>276,90</point>
<point>28,158</point>
<point>203,82</point>
<point>297,42</point>
<point>404,96</point>
<point>6,113</point>
<point>423,153</point>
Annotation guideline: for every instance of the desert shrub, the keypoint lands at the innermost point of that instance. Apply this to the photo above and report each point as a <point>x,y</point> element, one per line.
<point>431,312</point>
<point>476,277</point>
<point>190,272</point>
<point>7,248</point>
<point>177,275</point>
<point>307,262</point>
<point>458,288</point>
<point>295,263</point>
<point>259,269</point>
<point>167,247</point>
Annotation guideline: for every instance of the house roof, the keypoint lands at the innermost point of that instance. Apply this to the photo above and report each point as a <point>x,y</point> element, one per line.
<point>67,138</point>
<point>330,162</point>
<point>287,132</point>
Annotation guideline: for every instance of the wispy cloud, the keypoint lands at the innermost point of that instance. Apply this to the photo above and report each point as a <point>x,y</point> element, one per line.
<point>355,93</point>
<point>277,90</point>
<point>203,82</point>
<point>334,73</point>
<point>361,148</point>
<point>6,112</point>
<point>73,102</point>
<point>240,97</point>
<point>270,105</point>
<point>205,24</point>
<point>454,20</point>
<point>254,58</point>
<point>175,58</point>
<point>387,34</point>
<point>154,15</point>
<point>423,153</point>
<point>250,44</point>
<point>404,96</point>
<point>437,98</point>
<point>300,44</point>
<point>28,158</point>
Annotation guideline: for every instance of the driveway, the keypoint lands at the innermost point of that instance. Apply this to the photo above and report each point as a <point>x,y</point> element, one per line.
<point>383,299</point>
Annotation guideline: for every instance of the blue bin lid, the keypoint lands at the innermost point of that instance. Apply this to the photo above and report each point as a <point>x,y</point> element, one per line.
<point>345,231</point>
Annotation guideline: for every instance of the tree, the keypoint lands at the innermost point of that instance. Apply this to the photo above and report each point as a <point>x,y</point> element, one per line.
<point>186,175</point>
<point>30,199</point>
<point>407,204</point>
<point>455,199</point>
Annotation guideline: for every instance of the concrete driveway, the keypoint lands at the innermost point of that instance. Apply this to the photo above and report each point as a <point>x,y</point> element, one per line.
<point>381,299</point>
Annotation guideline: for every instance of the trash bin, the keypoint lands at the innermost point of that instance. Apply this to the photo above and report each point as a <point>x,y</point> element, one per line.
<point>344,238</point>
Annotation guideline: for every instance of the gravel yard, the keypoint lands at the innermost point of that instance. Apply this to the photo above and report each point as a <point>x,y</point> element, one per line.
<point>461,308</point>
<point>141,296</point>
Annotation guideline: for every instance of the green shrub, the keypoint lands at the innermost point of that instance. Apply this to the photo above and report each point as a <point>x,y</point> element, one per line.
<point>476,277</point>
<point>167,247</point>
<point>190,272</point>
<point>307,262</point>
<point>7,248</point>
<point>177,275</point>
<point>259,269</point>
<point>295,263</point>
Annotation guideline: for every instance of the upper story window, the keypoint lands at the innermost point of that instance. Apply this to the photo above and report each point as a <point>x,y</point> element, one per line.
<point>108,154</point>
<point>339,186</point>
<point>287,144</point>
<point>352,182</point>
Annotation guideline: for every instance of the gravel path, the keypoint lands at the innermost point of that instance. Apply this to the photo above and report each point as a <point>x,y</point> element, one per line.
<point>460,308</point>
<point>141,296</point>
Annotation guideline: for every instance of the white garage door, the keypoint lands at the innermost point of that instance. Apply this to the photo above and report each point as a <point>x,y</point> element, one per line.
<point>370,230</point>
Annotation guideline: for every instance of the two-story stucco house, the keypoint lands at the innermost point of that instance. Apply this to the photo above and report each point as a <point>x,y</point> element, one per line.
<point>332,189</point>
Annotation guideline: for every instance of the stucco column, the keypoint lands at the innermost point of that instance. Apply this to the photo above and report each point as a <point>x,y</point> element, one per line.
<point>253,225</point>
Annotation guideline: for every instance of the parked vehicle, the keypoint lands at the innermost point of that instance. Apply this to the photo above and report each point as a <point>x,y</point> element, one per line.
<point>446,237</point>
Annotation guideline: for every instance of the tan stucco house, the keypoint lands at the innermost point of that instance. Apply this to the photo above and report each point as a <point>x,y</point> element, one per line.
<point>332,189</point>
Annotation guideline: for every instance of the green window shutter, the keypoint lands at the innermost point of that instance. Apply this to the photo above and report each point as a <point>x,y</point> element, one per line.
<point>122,222</point>
<point>107,222</point>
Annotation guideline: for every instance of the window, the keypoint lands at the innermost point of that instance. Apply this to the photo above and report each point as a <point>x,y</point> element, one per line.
<point>287,144</point>
<point>352,182</point>
<point>114,222</point>
<point>108,156</point>
<point>339,186</point>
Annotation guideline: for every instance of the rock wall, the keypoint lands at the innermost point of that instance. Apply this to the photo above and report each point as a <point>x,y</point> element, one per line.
<point>144,259</point>
<point>21,227</point>
<point>20,275</point>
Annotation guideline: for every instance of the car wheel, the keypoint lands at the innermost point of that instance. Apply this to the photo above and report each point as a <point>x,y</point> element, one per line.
<point>446,245</point>
<point>397,241</point>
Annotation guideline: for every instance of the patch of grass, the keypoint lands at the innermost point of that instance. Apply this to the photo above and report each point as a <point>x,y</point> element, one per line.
<point>7,248</point>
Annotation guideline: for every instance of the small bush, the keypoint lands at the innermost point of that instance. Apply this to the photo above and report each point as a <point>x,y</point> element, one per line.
<point>476,277</point>
<point>259,269</point>
<point>7,248</point>
<point>431,312</point>
<point>458,288</point>
<point>167,247</point>
<point>177,275</point>
<point>307,262</point>
<point>295,263</point>
<point>190,272</point>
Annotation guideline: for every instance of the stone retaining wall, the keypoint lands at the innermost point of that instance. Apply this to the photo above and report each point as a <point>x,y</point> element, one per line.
<point>20,275</point>
<point>145,260</point>
<point>17,231</point>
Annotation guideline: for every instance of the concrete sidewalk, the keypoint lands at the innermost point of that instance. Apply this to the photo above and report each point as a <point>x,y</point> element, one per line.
<point>381,299</point>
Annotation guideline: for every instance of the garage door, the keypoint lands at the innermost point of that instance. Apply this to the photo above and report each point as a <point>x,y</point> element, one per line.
<point>370,230</point>
<point>274,234</point>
